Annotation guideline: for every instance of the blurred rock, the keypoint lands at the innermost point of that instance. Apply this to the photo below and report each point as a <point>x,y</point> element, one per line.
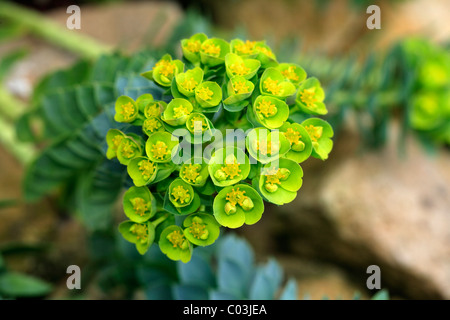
<point>337,26</point>
<point>378,208</point>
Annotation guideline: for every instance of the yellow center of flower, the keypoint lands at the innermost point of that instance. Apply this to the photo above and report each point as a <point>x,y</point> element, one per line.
<point>180,111</point>
<point>193,46</point>
<point>147,168</point>
<point>177,239</point>
<point>239,69</point>
<point>152,110</point>
<point>181,194</point>
<point>159,150</point>
<point>240,87</point>
<point>189,84</point>
<point>266,108</point>
<point>290,73</point>
<point>139,206</point>
<point>141,232</point>
<point>199,124</point>
<point>167,67</point>
<point>151,125</point>
<point>211,49</point>
<point>116,141</point>
<point>292,135</point>
<point>190,172</point>
<point>231,170</point>
<point>205,93</point>
<point>197,229</point>
<point>272,86</point>
<point>128,149</point>
<point>308,97</point>
<point>127,111</point>
<point>314,132</point>
<point>273,176</point>
<point>236,196</point>
<point>266,51</point>
<point>247,47</point>
<point>264,148</point>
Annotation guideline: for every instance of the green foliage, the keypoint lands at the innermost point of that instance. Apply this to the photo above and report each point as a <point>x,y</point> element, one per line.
<point>224,270</point>
<point>217,86</point>
<point>75,109</point>
<point>19,285</point>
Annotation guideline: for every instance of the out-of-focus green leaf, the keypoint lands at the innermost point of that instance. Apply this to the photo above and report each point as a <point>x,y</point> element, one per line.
<point>19,285</point>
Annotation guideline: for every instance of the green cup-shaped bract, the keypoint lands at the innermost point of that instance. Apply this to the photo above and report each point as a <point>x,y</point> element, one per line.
<point>164,71</point>
<point>195,172</point>
<point>174,244</point>
<point>161,146</point>
<point>126,110</point>
<point>142,171</point>
<point>293,72</point>
<point>273,83</point>
<point>208,94</point>
<point>279,182</point>
<point>181,193</point>
<point>228,166</point>
<point>143,100</point>
<point>245,49</point>
<point>152,125</point>
<point>265,55</point>
<point>202,229</point>
<point>139,204</point>
<point>213,52</point>
<point>298,137</point>
<point>198,123</point>
<point>320,133</point>
<point>129,148</point>
<point>141,234</point>
<point>310,96</point>
<point>238,204</point>
<point>154,108</point>
<point>113,139</point>
<point>177,112</point>
<point>191,47</point>
<point>187,82</point>
<point>237,66</point>
<point>271,112</point>
<point>265,145</point>
<point>238,90</point>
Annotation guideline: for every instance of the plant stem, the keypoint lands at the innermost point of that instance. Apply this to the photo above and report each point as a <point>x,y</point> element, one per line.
<point>10,107</point>
<point>43,27</point>
<point>160,219</point>
<point>23,152</point>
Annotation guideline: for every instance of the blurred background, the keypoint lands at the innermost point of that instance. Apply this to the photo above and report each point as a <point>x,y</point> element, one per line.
<point>382,198</point>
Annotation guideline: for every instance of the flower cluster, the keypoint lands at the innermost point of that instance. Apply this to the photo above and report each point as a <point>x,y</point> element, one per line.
<point>189,177</point>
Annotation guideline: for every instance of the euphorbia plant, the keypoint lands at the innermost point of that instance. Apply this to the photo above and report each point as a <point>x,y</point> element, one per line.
<point>190,176</point>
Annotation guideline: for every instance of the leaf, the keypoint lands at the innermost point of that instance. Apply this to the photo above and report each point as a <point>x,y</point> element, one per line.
<point>159,292</point>
<point>197,272</point>
<point>232,278</point>
<point>20,285</point>
<point>217,295</point>
<point>189,292</point>
<point>290,291</point>
<point>381,295</point>
<point>266,282</point>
